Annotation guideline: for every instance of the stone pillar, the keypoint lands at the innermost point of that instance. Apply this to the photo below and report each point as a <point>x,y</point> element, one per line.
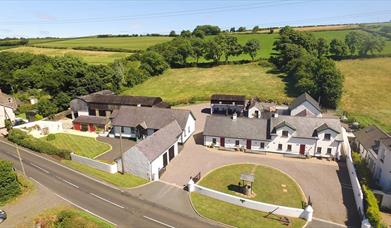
<point>365,224</point>
<point>191,186</point>
<point>308,212</point>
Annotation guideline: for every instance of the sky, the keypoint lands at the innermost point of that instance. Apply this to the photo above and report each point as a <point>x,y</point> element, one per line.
<point>72,18</point>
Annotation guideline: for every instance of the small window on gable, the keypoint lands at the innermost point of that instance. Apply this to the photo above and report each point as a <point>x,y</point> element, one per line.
<point>319,150</point>
<point>279,146</point>
<point>236,142</point>
<point>285,133</point>
<point>329,150</point>
<point>327,136</point>
<point>262,145</point>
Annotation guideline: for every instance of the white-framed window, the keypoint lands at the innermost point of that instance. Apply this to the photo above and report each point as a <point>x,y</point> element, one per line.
<point>279,146</point>
<point>329,150</point>
<point>188,129</point>
<point>285,133</point>
<point>327,136</point>
<point>236,142</point>
<point>289,147</point>
<point>214,141</point>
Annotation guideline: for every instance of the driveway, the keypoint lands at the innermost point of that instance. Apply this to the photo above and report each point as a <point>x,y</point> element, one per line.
<point>115,152</point>
<point>326,183</point>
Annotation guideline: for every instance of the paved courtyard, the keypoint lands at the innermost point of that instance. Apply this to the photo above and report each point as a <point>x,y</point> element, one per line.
<point>325,182</point>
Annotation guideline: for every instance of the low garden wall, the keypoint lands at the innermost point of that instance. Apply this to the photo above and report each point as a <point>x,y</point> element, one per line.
<point>110,168</point>
<point>243,202</point>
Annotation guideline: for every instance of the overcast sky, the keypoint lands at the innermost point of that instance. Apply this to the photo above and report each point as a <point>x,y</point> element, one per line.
<point>70,18</point>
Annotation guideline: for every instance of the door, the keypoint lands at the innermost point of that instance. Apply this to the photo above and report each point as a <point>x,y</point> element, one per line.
<point>222,142</point>
<point>165,162</point>
<point>248,146</point>
<point>302,149</point>
<point>171,153</point>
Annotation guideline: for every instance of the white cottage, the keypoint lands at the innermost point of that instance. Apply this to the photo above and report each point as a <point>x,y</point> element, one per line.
<point>8,105</point>
<point>305,105</point>
<point>149,158</point>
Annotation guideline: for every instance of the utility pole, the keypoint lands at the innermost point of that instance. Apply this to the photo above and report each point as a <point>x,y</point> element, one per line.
<point>20,159</point>
<point>120,150</point>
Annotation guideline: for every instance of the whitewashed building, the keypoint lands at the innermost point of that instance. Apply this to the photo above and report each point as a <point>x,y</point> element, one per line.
<point>141,122</point>
<point>8,105</point>
<point>149,158</point>
<point>305,105</point>
<point>306,136</point>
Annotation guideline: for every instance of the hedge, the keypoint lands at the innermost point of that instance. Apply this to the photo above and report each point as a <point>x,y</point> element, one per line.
<point>9,185</point>
<point>23,139</point>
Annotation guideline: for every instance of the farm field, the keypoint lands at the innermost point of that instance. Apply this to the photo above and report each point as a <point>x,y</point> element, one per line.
<point>92,57</point>
<point>130,43</point>
<point>366,90</point>
<point>179,86</point>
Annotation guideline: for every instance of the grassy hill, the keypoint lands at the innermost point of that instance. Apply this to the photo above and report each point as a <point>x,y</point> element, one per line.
<point>367,90</point>
<point>92,57</point>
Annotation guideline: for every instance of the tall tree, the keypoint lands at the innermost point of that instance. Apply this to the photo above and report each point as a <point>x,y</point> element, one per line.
<point>251,48</point>
<point>198,46</point>
<point>214,51</point>
<point>255,29</point>
<point>172,34</point>
<point>322,47</point>
<point>338,48</point>
<point>353,40</point>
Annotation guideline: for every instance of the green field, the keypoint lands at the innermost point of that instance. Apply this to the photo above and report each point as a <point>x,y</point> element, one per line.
<point>130,43</point>
<point>187,85</point>
<point>270,186</point>
<point>92,57</point>
<point>367,90</point>
<point>80,145</point>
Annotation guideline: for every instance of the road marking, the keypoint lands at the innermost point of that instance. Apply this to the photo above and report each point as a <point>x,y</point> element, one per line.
<point>327,221</point>
<point>157,221</point>
<point>62,179</point>
<point>42,169</point>
<point>80,207</point>
<point>106,200</point>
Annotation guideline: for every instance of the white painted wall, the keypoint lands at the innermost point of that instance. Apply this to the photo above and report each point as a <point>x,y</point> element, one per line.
<point>255,205</point>
<point>136,163</point>
<point>251,112</point>
<point>52,126</point>
<point>384,167</point>
<point>83,113</point>
<point>309,107</point>
<point>189,129</point>
<point>157,164</point>
<point>110,168</point>
<point>6,113</point>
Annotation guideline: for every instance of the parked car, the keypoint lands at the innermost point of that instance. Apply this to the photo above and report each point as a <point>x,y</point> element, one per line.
<point>3,216</point>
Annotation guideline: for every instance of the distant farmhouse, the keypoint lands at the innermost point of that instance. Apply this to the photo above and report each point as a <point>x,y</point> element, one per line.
<point>149,121</point>
<point>8,106</point>
<point>297,129</point>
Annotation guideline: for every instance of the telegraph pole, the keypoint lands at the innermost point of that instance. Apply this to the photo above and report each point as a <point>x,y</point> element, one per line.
<point>20,159</point>
<point>120,150</point>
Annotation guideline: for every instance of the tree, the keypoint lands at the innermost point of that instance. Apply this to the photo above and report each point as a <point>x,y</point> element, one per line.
<point>255,29</point>
<point>251,47</point>
<point>241,29</point>
<point>172,34</point>
<point>232,47</point>
<point>232,29</point>
<point>353,40</point>
<point>152,62</point>
<point>9,186</point>
<point>186,33</point>
<point>322,47</point>
<point>371,43</point>
<point>198,46</point>
<point>199,34</point>
<point>46,107</point>
<point>338,48</point>
<point>62,101</point>
<point>213,51</point>
<point>208,29</point>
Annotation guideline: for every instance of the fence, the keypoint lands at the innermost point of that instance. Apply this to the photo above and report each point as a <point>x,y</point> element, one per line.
<point>255,205</point>
<point>110,168</point>
<point>357,191</point>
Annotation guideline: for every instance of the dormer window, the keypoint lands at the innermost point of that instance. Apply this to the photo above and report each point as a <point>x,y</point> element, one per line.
<point>285,133</point>
<point>327,136</point>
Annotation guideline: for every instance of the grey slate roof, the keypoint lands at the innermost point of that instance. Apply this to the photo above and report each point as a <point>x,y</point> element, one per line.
<point>154,145</point>
<point>244,128</point>
<point>155,118</point>
<point>215,98</point>
<point>305,126</point>
<point>8,101</point>
<point>91,119</point>
<point>367,136</point>
<point>302,98</point>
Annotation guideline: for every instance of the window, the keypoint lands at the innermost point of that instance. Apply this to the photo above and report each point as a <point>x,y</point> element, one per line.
<point>285,133</point>
<point>319,150</point>
<point>289,147</point>
<point>214,140</point>
<point>262,145</point>
<point>329,150</point>
<point>133,130</point>
<point>188,129</point>
<point>279,146</point>
<point>327,136</point>
<point>91,112</point>
<point>236,142</point>
<point>102,113</point>
<point>122,129</point>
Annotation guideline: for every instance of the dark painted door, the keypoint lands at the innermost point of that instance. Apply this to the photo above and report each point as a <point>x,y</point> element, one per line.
<point>222,142</point>
<point>171,153</point>
<point>165,162</point>
<point>302,149</point>
<point>248,144</point>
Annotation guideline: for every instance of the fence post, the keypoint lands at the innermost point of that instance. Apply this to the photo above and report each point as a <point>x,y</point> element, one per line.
<point>191,186</point>
<point>308,212</point>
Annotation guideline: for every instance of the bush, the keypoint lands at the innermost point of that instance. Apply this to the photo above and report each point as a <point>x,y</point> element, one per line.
<point>9,185</point>
<point>8,124</point>
<point>372,210</point>
<point>23,139</point>
<point>51,137</point>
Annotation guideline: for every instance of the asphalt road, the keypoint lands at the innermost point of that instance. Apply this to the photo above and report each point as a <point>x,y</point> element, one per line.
<point>107,202</point>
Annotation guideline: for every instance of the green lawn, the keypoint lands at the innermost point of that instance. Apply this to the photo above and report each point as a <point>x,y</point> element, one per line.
<point>80,145</point>
<point>130,43</point>
<point>120,180</point>
<point>367,89</point>
<point>267,187</point>
<point>179,86</point>
<point>49,218</point>
<point>92,57</point>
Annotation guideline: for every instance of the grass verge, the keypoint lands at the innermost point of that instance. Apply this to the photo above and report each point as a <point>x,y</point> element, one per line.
<point>117,179</point>
<point>80,145</point>
<point>69,217</point>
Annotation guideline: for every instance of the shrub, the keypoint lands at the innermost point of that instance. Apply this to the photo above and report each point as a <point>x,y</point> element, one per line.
<point>38,117</point>
<point>23,139</point>
<point>372,210</point>
<point>51,137</point>
<point>9,185</point>
<point>8,124</point>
